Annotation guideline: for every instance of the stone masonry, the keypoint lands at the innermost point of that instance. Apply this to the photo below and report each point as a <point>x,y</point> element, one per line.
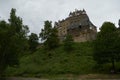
<point>78,25</point>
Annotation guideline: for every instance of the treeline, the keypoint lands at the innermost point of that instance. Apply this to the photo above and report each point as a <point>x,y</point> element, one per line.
<point>14,42</point>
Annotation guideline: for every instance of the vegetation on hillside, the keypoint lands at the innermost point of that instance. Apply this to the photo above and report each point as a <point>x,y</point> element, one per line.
<point>107,45</point>
<point>23,55</point>
<point>49,36</point>
<point>68,43</point>
<point>33,42</point>
<point>13,41</point>
<point>57,61</point>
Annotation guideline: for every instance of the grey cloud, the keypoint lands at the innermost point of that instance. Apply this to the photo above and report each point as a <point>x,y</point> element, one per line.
<point>35,12</point>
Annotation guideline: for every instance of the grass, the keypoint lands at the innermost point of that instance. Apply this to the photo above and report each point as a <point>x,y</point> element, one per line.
<point>58,63</point>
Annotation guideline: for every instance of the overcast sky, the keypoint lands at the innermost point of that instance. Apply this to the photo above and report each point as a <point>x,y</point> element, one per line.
<point>35,12</point>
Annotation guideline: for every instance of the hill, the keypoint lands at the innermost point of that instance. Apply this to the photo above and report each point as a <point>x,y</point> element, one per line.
<point>57,61</point>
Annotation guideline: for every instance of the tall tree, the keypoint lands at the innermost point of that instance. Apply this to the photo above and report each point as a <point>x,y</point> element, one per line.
<point>13,40</point>
<point>33,41</point>
<point>107,45</point>
<point>45,33</point>
<point>49,36</point>
<point>18,31</point>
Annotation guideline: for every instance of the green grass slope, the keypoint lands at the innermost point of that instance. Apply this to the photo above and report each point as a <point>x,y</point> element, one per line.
<point>57,61</point>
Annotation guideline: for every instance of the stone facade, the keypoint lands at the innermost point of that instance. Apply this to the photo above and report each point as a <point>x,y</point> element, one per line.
<point>78,25</point>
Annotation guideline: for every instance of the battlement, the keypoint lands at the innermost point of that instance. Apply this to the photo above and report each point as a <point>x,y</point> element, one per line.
<point>77,12</point>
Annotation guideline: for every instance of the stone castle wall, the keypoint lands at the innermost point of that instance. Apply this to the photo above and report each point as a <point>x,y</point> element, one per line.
<point>78,25</point>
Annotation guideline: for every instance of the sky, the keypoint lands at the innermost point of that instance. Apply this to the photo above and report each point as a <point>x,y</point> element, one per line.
<point>35,12</point>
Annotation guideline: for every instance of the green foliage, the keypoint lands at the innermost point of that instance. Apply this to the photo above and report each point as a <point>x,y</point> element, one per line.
<point>3,42</point>
<point>106,45</point>
<point>13,41</point>
<point>49,36</point>
<point>68,43</point>
<point>33,41</point>
<point>45,33</point>
<point>57,61</point>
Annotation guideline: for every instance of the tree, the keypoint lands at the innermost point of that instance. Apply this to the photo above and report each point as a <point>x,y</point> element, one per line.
<point>49,36</point>
<point>13,41</point>
<point>18,32</point>
<point>33,41</point>
<point>3,44</point>
<point>107,45</point>
<point>68,42</point>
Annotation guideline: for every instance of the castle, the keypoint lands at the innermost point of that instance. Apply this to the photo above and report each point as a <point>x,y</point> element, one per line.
<point>78,25</point>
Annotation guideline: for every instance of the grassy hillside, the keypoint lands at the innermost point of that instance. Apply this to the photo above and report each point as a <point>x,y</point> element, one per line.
<point>57,61</point>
